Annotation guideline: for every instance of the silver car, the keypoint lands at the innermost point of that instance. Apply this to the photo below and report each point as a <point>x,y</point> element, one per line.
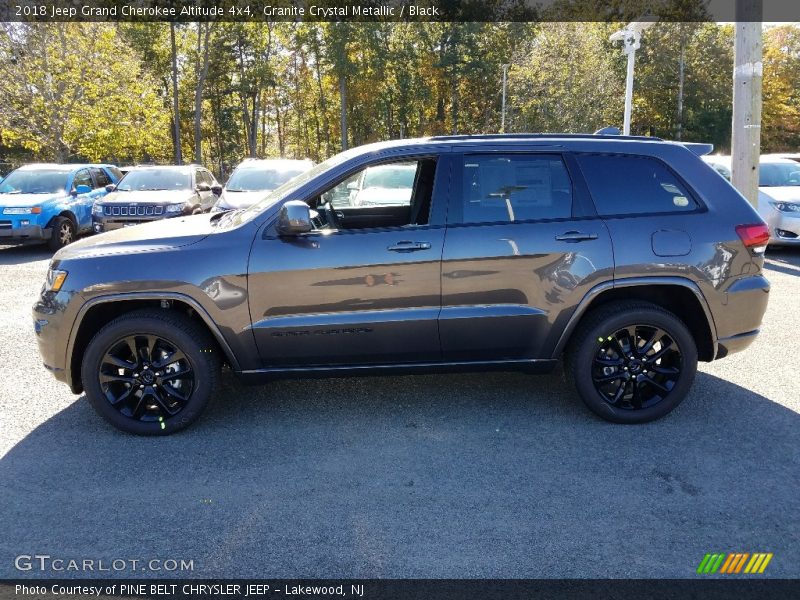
<point>778,194</point>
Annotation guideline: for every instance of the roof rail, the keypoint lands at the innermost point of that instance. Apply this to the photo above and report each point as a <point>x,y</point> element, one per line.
<point>501,136</point>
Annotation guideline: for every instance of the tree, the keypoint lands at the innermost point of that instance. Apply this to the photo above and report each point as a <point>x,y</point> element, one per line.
<point>76,91</point>
<point>781,89</point>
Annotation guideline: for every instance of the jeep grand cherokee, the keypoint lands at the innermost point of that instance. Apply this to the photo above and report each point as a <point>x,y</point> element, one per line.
<point>629,255</point>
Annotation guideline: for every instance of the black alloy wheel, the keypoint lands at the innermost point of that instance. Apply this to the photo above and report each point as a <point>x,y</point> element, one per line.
<point>632,361</point>
<point>146,377</point>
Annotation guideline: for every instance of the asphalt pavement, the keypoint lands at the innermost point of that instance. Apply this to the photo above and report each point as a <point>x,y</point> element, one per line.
<point>478,475</point>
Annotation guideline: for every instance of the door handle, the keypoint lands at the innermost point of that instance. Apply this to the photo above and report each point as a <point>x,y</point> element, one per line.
<point>576,236</point>
<point>408,246</point>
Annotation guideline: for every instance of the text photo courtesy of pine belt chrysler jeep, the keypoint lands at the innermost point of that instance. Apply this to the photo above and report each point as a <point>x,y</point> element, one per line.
<point>629,256</point>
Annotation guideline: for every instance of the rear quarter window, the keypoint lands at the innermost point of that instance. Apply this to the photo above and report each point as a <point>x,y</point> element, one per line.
<point>622,184</point>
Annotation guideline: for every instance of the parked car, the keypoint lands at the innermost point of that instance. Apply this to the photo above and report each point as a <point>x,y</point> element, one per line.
<point>383,185</point>
<point>50,202</point>
<point>151,193</point>
<point>625,253</point>
<point>253,178</point>
<point>778,195</point>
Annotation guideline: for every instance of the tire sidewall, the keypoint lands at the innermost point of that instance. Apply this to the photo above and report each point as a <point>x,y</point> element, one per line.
<point>55,239</point>
<point>201,392</point>
<point>645,317</point>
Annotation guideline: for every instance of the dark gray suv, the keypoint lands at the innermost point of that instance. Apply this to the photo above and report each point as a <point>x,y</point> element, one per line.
<point>629,255</point>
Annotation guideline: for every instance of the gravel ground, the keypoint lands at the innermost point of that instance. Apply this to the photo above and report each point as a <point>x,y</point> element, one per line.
<point>480,475</point>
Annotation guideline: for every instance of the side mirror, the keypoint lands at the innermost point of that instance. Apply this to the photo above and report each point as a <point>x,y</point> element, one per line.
<point>216,189</point>
<point>203,187</point>
<point>294,218</point>
<point>110,187</point>
<point>81,189</point>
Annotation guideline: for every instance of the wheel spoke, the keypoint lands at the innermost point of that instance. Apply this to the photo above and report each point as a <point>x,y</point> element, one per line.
<point>657,335</point>
<point>175,356</point>
<point>113,378</point>
<point>174,393</point>
<point>608,362</point>
<point>636,398</point>
<point>606,378</point>
<point>170,409</point>
<point>660,388</point>
<point>666,347</point>
<point>110,359</point>
<point>665,370</point>
<point>177,374</point>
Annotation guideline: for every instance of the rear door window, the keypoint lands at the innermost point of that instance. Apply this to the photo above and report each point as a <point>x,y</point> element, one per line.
<point>622,184</point>
<point>101,177</point>
<point>507,188</point>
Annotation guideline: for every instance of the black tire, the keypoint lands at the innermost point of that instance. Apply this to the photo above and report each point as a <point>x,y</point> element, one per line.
<point>64,233</point>
<point>143,410</point>
<point>602,361</point>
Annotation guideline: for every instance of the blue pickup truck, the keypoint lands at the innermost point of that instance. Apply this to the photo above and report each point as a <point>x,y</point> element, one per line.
<point>51,203</point>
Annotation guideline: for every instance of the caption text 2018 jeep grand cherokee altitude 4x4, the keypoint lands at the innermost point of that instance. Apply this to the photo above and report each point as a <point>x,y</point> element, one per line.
<point>628,254</point>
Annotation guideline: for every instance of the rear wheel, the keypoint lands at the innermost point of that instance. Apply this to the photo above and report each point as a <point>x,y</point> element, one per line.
<point>64,233</point>
<point>632,362</point>
<point>150,372</point>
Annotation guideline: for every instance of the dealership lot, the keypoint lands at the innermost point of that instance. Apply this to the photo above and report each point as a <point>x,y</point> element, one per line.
<point>476,475</point>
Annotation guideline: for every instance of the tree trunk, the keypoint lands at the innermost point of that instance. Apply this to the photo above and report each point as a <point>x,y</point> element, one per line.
<point>343,102</point>
<point>176,116</point>
<point>681,77</point>
<point>202,72</point>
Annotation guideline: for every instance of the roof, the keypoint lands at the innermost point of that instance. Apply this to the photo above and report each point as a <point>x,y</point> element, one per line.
<point>276,162</point>
<point>63,166</point>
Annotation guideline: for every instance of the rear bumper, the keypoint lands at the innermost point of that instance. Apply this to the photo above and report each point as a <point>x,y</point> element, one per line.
<point>12,235</point>
<point>739,320</point>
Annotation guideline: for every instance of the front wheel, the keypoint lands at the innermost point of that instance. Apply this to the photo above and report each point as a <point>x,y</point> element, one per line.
<point>632,362</point>
<point>151,372</point>
<point>63,233</point>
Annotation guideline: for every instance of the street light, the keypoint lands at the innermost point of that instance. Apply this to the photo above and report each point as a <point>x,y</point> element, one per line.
<point>631,35</point>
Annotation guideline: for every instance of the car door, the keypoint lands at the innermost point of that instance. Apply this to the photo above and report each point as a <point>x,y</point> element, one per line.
<point>359,295</point>
<point>81,204</point>
<point>521,251</point>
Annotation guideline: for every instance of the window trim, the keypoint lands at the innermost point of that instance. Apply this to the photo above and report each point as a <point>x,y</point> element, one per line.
<point>578,204</point>
<point>700,206</point>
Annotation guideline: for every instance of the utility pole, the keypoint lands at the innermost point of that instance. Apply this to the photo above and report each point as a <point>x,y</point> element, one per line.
<point>503,113</point>
<point>747,73</point>
<point>176,116</point>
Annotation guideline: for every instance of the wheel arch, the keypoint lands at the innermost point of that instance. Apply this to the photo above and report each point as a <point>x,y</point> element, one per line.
<point>101,310</point>
<point>675,294</point>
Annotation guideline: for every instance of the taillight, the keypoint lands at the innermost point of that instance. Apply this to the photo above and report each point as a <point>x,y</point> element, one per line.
<point>755,237</point>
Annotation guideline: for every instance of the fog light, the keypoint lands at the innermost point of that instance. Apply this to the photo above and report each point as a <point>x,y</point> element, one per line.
<point>24,222</point>
<point>786,234</point>
<point>97,227</point>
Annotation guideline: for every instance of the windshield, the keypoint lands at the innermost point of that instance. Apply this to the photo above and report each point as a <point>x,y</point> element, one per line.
<point>156,179</point>
<point>40,181</point>
<point>256,180</point>
<point>778,174</point>
<point>390,177</point>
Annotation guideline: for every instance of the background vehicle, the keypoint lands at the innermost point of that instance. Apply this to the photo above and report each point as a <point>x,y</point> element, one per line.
<point>149,193</point>
<point>51,202</point>
<point>513,251</point>
<point>778,194</point>
<point>253,178</point>
<point>384,185</point>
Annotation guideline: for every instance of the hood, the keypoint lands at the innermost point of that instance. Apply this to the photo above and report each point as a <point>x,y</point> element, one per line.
<point>241,199</point>
<point>382,196</point>
<point>789,193</point>
<point>147,197</point>
<point>163,234</point>
<point>23,200</point>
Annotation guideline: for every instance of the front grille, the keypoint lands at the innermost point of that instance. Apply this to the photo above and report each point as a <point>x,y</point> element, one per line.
<point>5,224</point>
<point>132,210</point>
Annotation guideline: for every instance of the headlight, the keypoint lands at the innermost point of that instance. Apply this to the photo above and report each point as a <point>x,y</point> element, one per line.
<point>787,207</point>
<point>97,209</point>
<point>22,210</point>
<point>175,208</point>
<point>55,279</point>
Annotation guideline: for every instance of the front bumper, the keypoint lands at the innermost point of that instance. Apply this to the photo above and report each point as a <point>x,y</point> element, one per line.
<point>51,335</point>
<point>101,223</point>
<point>11,233</point>
<point>784,229</point>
